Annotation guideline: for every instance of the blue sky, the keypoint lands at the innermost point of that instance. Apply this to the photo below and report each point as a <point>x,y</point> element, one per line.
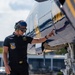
<point>12,11</point>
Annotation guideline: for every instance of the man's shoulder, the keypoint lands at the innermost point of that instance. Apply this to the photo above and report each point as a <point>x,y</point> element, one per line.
<point>10,36</point>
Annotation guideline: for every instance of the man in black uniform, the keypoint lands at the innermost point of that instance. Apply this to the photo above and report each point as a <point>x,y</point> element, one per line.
<point>15,46</point>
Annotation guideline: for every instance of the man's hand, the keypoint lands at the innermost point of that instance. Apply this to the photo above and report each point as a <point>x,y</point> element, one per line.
<point>51,33</point>
<point>7,69</point>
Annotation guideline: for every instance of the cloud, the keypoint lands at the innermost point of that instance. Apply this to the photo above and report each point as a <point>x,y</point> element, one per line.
<point>21,5</point>
<point>4,6</point>
<point>11,5</point>
<point>8,20</point>
<point>12,11</point>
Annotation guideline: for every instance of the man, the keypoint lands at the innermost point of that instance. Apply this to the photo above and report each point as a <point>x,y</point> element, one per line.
<point>15,50</point>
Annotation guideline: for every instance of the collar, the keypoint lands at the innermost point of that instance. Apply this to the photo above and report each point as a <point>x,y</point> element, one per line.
<point>17,35</point>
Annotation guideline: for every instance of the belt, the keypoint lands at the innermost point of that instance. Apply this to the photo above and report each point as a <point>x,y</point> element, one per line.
<point>18,62</point>
<point>21,62</point>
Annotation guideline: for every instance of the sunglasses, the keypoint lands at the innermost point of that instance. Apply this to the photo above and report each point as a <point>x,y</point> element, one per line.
<point>23,30</point>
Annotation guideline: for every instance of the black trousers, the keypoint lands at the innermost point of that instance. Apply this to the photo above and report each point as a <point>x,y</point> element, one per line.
<point>19,69</point>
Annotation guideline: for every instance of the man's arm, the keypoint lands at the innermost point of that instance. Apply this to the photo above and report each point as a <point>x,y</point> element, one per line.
<point>5,52</point>
<point>43,39</point>
<point>5,59</point>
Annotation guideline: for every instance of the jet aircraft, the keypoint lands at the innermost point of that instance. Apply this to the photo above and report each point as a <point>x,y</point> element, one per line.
<point>48,15</point>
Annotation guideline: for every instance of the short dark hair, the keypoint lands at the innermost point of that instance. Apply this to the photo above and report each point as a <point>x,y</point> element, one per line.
<point>19,24</point>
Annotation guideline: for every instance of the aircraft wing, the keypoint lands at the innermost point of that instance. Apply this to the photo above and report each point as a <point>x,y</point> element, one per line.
<point>53,17</point>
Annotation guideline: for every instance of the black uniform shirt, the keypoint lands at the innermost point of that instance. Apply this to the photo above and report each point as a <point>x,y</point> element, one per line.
<point>17,47</point>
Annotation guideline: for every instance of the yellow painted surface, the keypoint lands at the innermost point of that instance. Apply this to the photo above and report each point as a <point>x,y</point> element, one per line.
<point>71,7</point>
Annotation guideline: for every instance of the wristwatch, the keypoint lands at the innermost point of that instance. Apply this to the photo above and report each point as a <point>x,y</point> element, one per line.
<point>46,37</point>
